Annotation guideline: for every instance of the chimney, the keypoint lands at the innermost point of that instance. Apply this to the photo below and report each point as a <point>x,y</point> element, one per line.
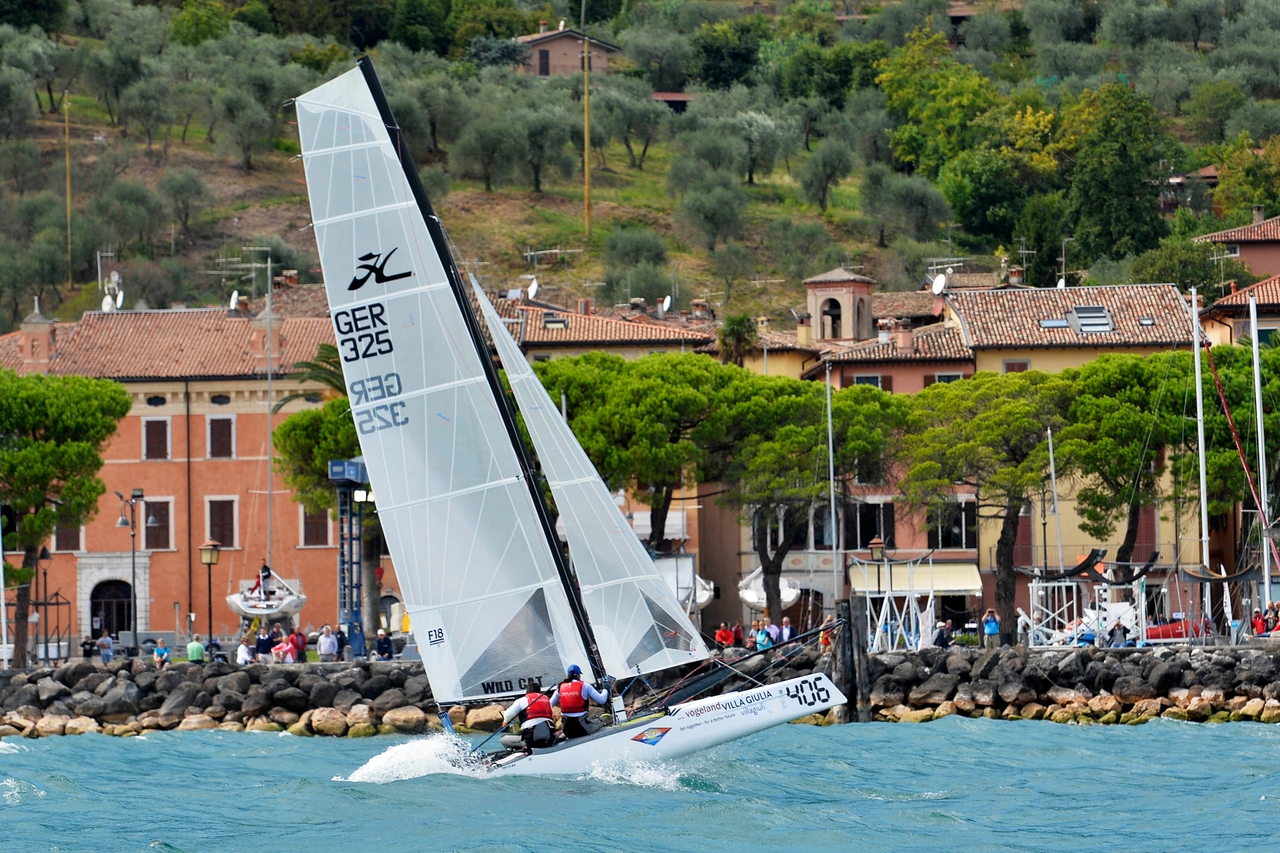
<point>637,303</point>
<point>804,330</point>
<point>886,331</point>
<point>584,306</point>
<point>258,341</point>
<point>762,325</point>
<point>684,315</point>
<point>659,311</point>
<point>37,342</point>
<point>1015,276</point>
<point>701,310</point>
<point>906,338</point>
<point>1259,214</point>
<point>542,26</point>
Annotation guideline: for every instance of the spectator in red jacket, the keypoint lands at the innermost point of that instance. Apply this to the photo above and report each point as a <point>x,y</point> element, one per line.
<point>299,641</point>
<point>724,637</point>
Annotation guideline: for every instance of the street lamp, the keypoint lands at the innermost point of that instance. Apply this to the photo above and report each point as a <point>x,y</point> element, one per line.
<point>209,556</point>
<point>131,521</point>
<point>44,559</point>
<point>876,547</point>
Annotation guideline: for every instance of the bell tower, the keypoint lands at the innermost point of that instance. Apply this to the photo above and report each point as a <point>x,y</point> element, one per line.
<point>840,304</point>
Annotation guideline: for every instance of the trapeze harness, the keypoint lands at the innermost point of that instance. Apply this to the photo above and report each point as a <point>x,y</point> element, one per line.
<point>536,721</point>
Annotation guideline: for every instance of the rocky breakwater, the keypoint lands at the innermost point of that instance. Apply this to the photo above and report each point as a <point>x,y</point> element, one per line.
<point>131,696</point>
<point>1084,686</point>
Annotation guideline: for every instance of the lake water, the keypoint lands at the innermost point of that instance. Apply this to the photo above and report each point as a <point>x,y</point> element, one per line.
<point>956,784</point>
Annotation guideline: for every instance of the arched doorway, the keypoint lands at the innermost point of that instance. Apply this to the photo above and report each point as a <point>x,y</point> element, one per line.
<point>831,320</point>
<point>387,605</point>
<point>111,608</point>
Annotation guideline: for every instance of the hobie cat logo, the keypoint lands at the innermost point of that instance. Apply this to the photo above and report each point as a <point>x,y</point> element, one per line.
<point>651,736</point>
<point>375,265</point>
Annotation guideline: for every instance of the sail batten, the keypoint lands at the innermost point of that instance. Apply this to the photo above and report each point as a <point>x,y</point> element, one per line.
<point>484,592</point>
<point>638,623</point>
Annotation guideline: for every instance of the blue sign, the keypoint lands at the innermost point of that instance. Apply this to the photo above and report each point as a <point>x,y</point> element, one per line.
<point>351,470</point>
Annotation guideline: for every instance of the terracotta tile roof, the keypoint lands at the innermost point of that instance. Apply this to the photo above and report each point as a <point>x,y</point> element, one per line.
<point>777,341</point>
<point>836,276</point>
<point>174,344</point>
<point>1266,231</point>
<point>534,38</point>
<point>939,342</point>
<point>1138,314</point>
<point>917,303</point>
<point>9,358</point>
<point>1267,292</point>
<point>295,300</point>
<point>593,329</point>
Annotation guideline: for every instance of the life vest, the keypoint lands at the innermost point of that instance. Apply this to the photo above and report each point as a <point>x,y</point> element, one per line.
<point>571,699</point>
<point>539,708</point>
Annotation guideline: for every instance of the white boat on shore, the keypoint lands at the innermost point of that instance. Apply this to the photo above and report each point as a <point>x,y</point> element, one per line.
<point>494,601</point>
<point>270,597</point>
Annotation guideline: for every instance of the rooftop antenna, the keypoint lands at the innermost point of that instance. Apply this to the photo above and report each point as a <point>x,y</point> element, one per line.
<point>1023,252</point>
<point>1062,282</point>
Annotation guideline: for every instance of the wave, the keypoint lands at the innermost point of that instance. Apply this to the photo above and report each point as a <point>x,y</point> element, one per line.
<point>14,792</point>
<point>435,753</point>
<point>642,774</point>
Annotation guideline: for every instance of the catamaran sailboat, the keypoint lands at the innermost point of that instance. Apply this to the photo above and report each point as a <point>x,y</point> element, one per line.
<point>493,600</point>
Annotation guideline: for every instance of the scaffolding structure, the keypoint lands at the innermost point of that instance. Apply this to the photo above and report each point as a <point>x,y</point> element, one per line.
<point>898,617</point>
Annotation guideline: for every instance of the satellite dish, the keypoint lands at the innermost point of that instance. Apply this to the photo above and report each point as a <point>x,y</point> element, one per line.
<point>666,302</point>
<point>115,279</point>
<point>119,298</point>
<point>939,284</point>
<point>235,300</point>
<point>1062,284</point>
<point>533,288</point>
<point>107,305</point>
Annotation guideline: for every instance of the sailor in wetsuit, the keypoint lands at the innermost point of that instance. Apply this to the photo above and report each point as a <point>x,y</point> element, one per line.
<point>574,696</point>
<point>537,726</point>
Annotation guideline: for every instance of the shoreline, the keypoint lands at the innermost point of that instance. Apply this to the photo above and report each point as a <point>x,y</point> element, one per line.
<point>1084,686</point>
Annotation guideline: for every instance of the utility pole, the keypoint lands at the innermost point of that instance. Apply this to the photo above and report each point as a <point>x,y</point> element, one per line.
<point>586,122</point>
<point>1024,252</point>
<point>1065,241</point>
<point>66,129</point>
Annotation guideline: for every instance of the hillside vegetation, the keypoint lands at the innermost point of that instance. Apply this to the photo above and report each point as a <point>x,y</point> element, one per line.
<point>818,135</point>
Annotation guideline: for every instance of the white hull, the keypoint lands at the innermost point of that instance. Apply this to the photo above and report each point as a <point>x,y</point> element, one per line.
<point>686,728</point>
<point>288,604</point>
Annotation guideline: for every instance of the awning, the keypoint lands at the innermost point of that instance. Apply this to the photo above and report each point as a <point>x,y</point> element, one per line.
<point>940,578</point>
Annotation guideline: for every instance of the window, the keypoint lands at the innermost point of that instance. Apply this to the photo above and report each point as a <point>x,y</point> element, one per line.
<point>315,529</point>
<point>66,538</point>
<point>222,521</point>
<point>544,63</point>
<point>955,526</point>
<point>220,399</point>
<point>156,538</point>
<point>1017,366</point>
<point>947,377</point>
<point>1089,319</point>
<point>867,380</point>
<point>222,441</point>
<point>1233,251</point>
<point>865,521</point>
<point>822,528</point>
<point>1054,323</point>
<point>156,400</point>
<point>1265,336</point>
<point>155,438</point>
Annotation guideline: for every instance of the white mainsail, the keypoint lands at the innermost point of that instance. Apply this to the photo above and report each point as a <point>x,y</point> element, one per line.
<point>638,625</point>
<point>487,605</point>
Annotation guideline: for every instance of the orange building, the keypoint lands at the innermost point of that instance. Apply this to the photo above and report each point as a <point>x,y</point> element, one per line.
<point>195,443</point>
<point>559,52</point>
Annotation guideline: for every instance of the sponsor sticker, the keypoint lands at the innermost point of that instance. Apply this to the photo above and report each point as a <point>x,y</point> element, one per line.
<point>651,736</point>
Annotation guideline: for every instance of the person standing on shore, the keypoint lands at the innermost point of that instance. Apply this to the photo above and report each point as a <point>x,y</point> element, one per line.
<point>245,654</point>
<point>991,629</point>
<point>786,633</point>
<point>87,647</point>
<point>299,641</point>
<point>262,646</point>
<point>195,650</point>
<point>106,648</point>
<point>724,637</point>
<point>327,645</point>
<point>737,633</point>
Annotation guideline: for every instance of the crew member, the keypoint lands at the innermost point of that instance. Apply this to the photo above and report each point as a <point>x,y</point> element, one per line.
<point>574,696</point>
<point>537,726</point>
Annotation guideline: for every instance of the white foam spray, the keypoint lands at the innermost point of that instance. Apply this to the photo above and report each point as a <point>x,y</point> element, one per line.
<point>629,771</point>
<point>424,756</point>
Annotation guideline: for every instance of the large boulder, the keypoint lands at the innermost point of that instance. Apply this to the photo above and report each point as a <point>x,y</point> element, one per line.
<point>417,689</point>
<point>49,690</point>
<point>52,724</point>
<point>237,681</point>
<point>389,699</point>
<point>375,686</point>
<point>293,699</point>
<point>408,720</point>
<point>1014,690</point>
<point>985,664</point>
<point>322,694</point>
<point>329,721</point>
<point>936,689</point>
<point>887,692</point>
<point>216,669</point>
<point>175,706</point>
<point>230,699</point>
<point>344,700</point>
<point>1070,668</point>
<point>486,719</point>
<point>25,694</point>
<point>1068,695</point>
<point>91,681</point>
<point>1131,689</point>
<point>91,707</point>
<point>169,680</point>
<point>1164,676</point>
<point>81,726</point>
<point>197,722</point>
<point>70,674</point>
<point>123,698</point>
<point>256,702</point>
<point>360,715</point>
<point>984,692</point>
<point>958,664</point>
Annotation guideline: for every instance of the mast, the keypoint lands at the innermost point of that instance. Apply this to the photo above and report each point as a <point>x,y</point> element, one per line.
<point>1204,486</point>
<point>490,371</point>
<point>1264,506</point>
